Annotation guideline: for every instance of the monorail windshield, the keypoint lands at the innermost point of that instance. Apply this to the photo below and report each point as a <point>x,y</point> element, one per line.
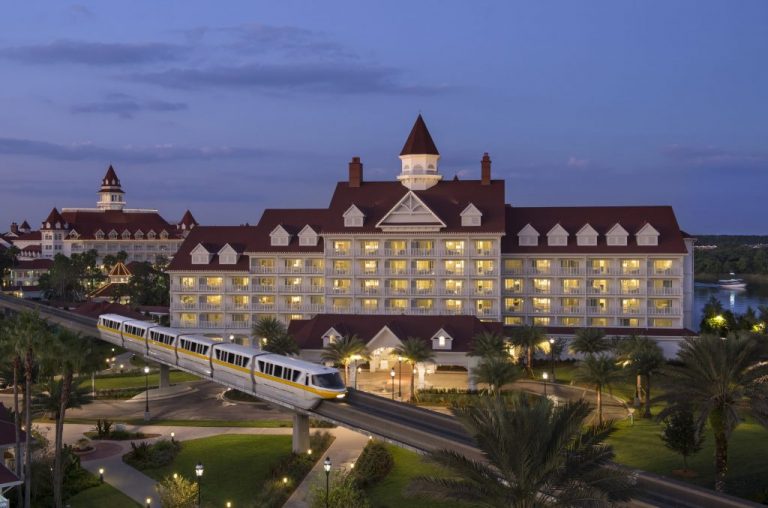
<point>331,380</point>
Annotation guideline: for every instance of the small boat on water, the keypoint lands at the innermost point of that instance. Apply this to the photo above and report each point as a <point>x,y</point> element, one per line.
<point>732,283</point>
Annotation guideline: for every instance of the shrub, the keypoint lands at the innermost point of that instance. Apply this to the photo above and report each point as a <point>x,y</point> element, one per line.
<point>344,492</point>
<point>373,465</point>
<point>177,492</point>
<point>103,428</point>
<point>150,456</point>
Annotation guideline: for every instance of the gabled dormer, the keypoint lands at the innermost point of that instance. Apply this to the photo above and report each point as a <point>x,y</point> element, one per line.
<point>410,214</point>
<point>151,235</point>
<point>279,236</point>
<point>647,236</point>
<point>99,235</point>
<point>308,236</point>
<point>353,217</point>
<point>126,235</point>
<point>201,255</point>
<point>557,236</point>
<point>586,236</point>
<point>528,236</point>
<point>74,234</point>
<point>442,340</point>
<point>228,255</point>
<point>331,336</point>
<point>112,235</point>
<point>164,235</point>
<point>139,235</point>
<point>616,236</point>
<point>471,216</point>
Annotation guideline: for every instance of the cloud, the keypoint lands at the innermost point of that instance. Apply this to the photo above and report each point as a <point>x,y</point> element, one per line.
<point>126,106</point>
<point>94,53</point>
<point>80,10</point>
<point>709,157</point>
<point>129,153</point>
<point>332,78</point>
<point>574,162</point>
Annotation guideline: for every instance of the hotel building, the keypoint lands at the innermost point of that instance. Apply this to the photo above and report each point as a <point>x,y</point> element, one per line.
<point>422,245</point>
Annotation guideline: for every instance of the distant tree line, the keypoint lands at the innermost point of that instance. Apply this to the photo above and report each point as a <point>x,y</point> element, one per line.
<point>731,240</point>
<point>724,259</point>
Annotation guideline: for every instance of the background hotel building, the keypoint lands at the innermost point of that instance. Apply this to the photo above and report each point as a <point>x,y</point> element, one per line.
<point>424,245</point>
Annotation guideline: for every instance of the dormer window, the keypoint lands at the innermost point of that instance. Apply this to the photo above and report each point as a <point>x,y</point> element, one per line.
<point>113,235</point>
<point>528,236</point>
<point>151,235</point>
<point>647,236</point>
<point>442,340</point>
<point>353,217</point>
<point>201,255</point>
<point>471,216</point>
<point>557,236</point>
<point>139,235</point>
<point>164,234</point>
<point>308,236</point>
<point>126,235</point>
<point>616,236</point>
<point>330,336</point>
<point>586,236</point>
<point>99,234</point>
<point>279,236</point>
<point>228,255</point>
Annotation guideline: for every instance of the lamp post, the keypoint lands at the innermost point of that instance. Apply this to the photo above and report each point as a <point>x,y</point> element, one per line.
<point>552,356</point>
<point>146,393</point>
<point>199,474</point>
<point>327,467</point>
<point>101,475</point>
<point>546,377</point>
<point>359,370</point>
<point>149,501</point>
<point>399,377</point>
<point>392,376</point>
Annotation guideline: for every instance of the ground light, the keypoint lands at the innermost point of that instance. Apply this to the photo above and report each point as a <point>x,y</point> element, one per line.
<point>552,357</point>
<point>146,393</point>
<point>327,467</point>
<point>400,377</point>
<point>546,377</point>
<point>392,375</point>
<point>149,502</point>
<point>199,474</point>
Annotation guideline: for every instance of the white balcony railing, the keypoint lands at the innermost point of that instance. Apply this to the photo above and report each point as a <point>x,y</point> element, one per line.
<point>665,311</point>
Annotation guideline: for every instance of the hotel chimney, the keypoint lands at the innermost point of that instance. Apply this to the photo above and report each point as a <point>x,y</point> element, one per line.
<point>14,228</point>
<point>355,172</point>
<point>485,170</point>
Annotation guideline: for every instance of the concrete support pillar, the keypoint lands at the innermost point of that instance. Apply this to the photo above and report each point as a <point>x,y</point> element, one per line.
<point>165,376</point>
<point>352,375</point>
<point>422,369</point>
<point>471,364</point>
<point>300,433</point>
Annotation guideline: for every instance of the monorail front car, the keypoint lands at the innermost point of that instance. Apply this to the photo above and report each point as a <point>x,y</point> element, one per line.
<point>296,382</point>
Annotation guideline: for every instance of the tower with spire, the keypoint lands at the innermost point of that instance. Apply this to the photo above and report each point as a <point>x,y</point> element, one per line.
<point>419,159</point>
<point>111,195</point>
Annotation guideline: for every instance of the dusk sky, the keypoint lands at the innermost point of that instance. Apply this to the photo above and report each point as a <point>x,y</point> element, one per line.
<point>226,108</point>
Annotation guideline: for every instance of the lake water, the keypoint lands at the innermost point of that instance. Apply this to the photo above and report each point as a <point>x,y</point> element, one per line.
<point>736,301</point>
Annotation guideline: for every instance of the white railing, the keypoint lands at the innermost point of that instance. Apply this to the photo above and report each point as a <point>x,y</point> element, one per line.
<point>570,309</point>
<point>260,288</point>
<point>369,291</point>
<point>666,271</point>
<point>667,311</point>
<point>263,306</point>
<point>238,288</point>
<point>183,306</point>
<point>340,252</point>
<point>340,291</point>
<point>210,324</point>
<point>597,310</point>
<point>485,252</point>
<point>238,306</point>
<point>422,252</point>
<point>665,291</point>
<point>395,252</point>
<point>238,325</point>
<point>263,269</point>
<point>210,306</point>
<point>209,289</point>
<point>513,271</point>
<point>451,252</point>
<point>368,252</point>
<point>396,271</point>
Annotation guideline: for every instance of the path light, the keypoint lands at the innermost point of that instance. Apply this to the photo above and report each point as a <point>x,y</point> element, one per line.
<point>175,475</point>
<point>552,356</point>
<point>231,338</point>
<point>173,435</point>
<point>146,392</point>
<point>229,504</point>
<point>392,375</point>
<point>309,451</point>
<point>199,474</point>
<point>285,480</point>
<point>101,474</point>
<point>546,377</point>
<point>149,502</point>
<point>327,467</point>
<point>400,376</point>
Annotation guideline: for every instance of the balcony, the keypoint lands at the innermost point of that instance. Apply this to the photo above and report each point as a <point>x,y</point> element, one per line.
<point>667,271</point>
<point>538,271</point>
<point>423,271</point>
<point>367,271</point>
<point>263,307</point>
<point>338,271</point>
<point>485,272</point>
<point>423,291</point>
<point>292,288</point>
<point>599,311</point>
<point>210,289</point>
<point>210,306</point>
<point>458,272</point>
<point>293,269</point>
<point>263,269</point>
<point>571,309</point>
<point>485,252</point>
<point>396,291</point>
<point>631,291</point>
<point>340,290</point>
<point>572,291</point>
<point>238,288</point>
<point>183,287</point>
<point>630,311</point>
<point>395,252</point>
<point>487,312</point>
<point>665,291</point>
<point>260,288</point>
<point>210,324</point>
<point>513,271</point>
<point>483,291</point>
<point>369,291</point>
<point>396,271</point>
<point>184,306</point>
<point>542,309</point>
<point>422,252</point>
<point>570,271</point>
<point>339,252</point>
<point>597,291</point>
<point>345,309</point>
<point>238,325</point>
<point>243,307</point>
<point>514,309</point>
<point>303,307</point>
<point>368,252</point>
<point>666,311</point>
<point>451,252</point>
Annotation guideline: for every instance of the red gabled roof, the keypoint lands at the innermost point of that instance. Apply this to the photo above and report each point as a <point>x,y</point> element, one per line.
<point>25,225</point>
<point>419,141</point>
<point>33,264</point>
<point>447,200</point>
<point>602,219</point>
<point>119,270</point>
<point>188,220</point>
<point>213,239</point>
<point>28,237</point>
<point>95,309</point>
<point>309,332</point>
<point>111,181</point>
<point>55,217</point>
<point>88,222</point>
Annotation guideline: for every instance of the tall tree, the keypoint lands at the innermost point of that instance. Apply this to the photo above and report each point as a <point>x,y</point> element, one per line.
<point>8,259</point>
<point>529,339</point>
<point>600,372</point>
<point>148,285</point>
<point>589,341</point>
<point>719,380</point>
<point>487,344</point>
<point>644,358</point>
<point>269,328</point>
<point>536,454</point>
<point>13,349</point>
<point>342,350</point>
<point>282,344</point>
<point>496,371</point>
<point>414,351</point>
<point>34,336</point>
<point>681,435</point>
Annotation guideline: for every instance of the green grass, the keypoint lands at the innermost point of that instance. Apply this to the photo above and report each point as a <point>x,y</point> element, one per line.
<point>267,424</point>
<point>101,496</point>
<point>236,466</point>
<point>390,492</point>
<point>113,382</point>
<point>639,446</point>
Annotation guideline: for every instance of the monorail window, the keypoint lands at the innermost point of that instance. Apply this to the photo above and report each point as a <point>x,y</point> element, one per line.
<point>278,372</point>
<point>330,380</point>
<point>296,375</point>
<point>288,374</point>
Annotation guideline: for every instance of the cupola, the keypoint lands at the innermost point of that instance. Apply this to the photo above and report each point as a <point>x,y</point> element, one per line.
<point>111,195</point>
<point>419,159</point>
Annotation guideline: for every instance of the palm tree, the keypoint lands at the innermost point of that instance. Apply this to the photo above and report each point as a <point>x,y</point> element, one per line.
<point>267,327</point>
<point>535,454</point>
<point>589,341</point>
<point>644,357</point>
<point>719,379</point>
<point>282,344</point>
<point>530,338</point>
<point>341,351</point>
<point>12,347</point>
<point>599,372</point>
<point>487,344</point>
<point>496,371</point>
<point>32,334</point>
<point>414,350</point>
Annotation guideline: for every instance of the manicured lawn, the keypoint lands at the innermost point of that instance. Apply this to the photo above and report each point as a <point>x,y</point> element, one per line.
<point>408,465</point>
<point>639,446</point>
<point>268,424</point>
<point>136,381</point>
<point>101,496</point>
<point>236,466</point>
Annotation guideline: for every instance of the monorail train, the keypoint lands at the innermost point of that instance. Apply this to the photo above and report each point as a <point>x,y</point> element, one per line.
<point>290,380</point>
